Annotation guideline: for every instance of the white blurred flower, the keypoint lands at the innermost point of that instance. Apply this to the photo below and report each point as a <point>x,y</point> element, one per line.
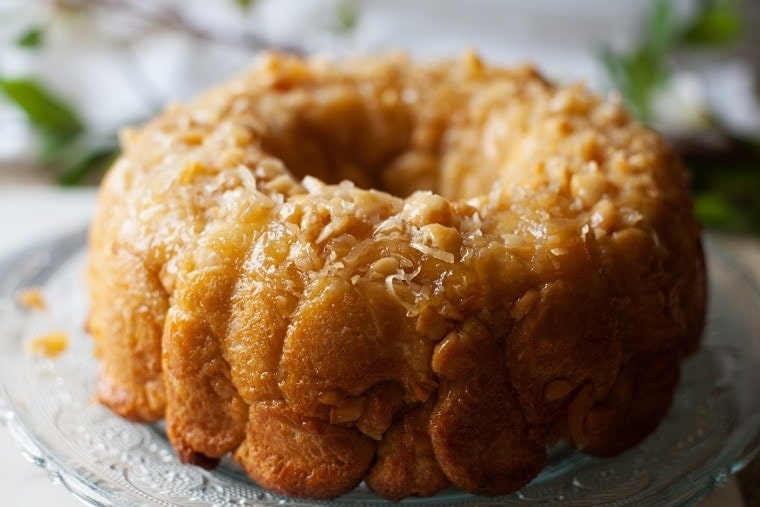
<point>681,106</point>
<point>731,88</point>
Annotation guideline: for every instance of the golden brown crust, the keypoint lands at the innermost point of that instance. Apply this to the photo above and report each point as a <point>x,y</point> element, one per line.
<point>480,437</point>
<point>578,326</point>
<point>525,269</point>
<point>207,415</point>
<point>303,457</point>
<point>639,400</point>
<point>127,315</point>
<point>406,463</point>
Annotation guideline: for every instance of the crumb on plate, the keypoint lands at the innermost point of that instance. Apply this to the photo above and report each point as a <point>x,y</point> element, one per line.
<point>32,298</point>
<point>49,344</point>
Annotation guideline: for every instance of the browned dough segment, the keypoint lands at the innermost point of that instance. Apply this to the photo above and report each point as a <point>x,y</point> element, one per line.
<point>329,460</point>
<point>479,435</point>
<point>406,463</point>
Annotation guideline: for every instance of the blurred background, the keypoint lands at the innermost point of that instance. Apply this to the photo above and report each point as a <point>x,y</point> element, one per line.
<point>72,72</point>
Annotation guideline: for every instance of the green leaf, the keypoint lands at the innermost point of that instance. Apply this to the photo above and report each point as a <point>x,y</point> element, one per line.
<point>717,211</point>
<point>719,22</point>
<point>32,38</point>
<point>245,4</point>
<point>637,76</point>
<point>726,183</point>
<point>91,164</point>
<point>45,111</point>
<point>661,29</point>
<point>347,13</point>
<point>55,145</point>
<point>617,70</point>
<point>640,72</point>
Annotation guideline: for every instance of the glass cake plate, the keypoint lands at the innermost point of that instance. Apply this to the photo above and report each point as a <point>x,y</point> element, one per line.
<point>47,404</point>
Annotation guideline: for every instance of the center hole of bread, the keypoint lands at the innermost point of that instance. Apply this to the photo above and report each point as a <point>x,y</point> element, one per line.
<point>378,140</point>
<point>344,135</point>
<point>386,164</point>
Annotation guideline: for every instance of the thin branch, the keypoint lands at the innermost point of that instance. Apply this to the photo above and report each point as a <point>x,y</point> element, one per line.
<point>172,17</point>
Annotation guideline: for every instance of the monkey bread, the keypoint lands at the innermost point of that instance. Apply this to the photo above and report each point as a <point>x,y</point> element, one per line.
<point>411,274</point>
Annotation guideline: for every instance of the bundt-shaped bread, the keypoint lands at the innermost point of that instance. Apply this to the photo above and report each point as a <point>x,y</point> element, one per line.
<point>408,274</point>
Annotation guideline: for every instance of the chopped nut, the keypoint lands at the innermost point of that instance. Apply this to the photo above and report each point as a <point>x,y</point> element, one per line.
<point>524,305</point>
<point>190,170</point>
<point>383,401</point>
<point>557,389</point>
<point>588,188</point>
<point>348,410</point>
<point>450,312</point>
<point>604,216</point>
<point>385,266</point>
<point>431,324</point>
<point>426,208</point>
<point>453,357</point>
<point>443,237</point>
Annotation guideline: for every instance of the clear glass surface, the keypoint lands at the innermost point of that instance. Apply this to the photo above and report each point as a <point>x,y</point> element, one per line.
<point>47,405</point>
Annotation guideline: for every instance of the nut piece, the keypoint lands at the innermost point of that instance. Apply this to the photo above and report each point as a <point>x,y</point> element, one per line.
<point>557,389</point>
<point>588,187</point>
<point>431,324</point>
<point>453,356</point>
<point>425,208</point>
